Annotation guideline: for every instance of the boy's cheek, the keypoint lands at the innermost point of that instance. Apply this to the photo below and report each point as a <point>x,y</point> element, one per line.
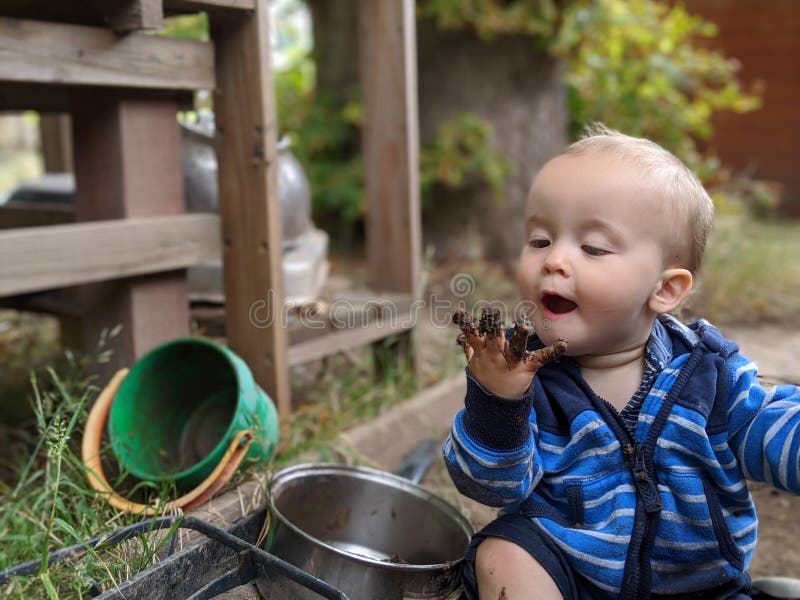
<point>526,280</point>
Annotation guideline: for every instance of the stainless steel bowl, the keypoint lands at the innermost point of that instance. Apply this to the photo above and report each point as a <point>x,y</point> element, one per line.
<point>371,534</point>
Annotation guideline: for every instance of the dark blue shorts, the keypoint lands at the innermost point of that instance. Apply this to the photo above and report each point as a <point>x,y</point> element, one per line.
<point>519,530</point>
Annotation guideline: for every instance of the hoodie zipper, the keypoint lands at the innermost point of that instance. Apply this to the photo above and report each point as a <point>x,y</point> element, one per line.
<point>647,498</point>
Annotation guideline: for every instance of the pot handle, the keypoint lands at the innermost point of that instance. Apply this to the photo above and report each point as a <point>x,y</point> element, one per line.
<point>90,455</point>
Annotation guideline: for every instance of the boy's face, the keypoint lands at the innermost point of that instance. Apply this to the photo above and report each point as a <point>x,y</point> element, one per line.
<point>594,254</point>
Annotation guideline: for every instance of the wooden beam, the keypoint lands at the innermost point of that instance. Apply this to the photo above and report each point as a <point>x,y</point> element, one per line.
<point>53,53</point>
<point>244,106</point>
<point>209,5</point>
<point>345,339</point>
<point>41,258</point>
<point>387,49</point>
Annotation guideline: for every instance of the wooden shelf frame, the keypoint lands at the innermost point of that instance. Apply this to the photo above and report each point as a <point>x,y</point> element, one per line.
<point>130,237</point>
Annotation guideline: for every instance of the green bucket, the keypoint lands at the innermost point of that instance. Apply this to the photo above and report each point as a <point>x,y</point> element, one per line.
<point>180,408</point>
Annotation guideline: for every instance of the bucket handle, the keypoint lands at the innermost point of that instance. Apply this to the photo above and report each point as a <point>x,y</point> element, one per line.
<point>90,455</point>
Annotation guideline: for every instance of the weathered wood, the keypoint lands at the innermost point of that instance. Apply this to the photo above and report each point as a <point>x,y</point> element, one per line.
<point>390,137</point>
<point>345,339</point>
<point>40,52</point>
<point>128,165</point>
<point>56,135</point>
<point>209,5</point>
<point>135,15</point>
<point>247,154</point>
<point>41,258</point>
<point>391,146</point>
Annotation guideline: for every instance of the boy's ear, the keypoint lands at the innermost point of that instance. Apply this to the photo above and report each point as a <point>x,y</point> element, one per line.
<point>674,286</point>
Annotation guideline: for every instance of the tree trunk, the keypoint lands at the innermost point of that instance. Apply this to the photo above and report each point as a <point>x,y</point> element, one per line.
<point>519,90</point>
<point>335,26</point>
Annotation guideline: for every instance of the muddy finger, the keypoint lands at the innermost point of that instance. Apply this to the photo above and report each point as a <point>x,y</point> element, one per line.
<point>469,330</point>
<point>537,358</point>
<point>518,344</point>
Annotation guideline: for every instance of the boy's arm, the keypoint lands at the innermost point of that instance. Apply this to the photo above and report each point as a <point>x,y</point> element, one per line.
<point>490,452</point>
<point>764,427</point>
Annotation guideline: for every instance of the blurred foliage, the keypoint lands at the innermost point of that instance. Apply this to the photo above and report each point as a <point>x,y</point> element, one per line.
<point>540,19</point>
<point>462,153</point>
<point>640,66</point>
<point>643,67</point>
<point>187,27</point>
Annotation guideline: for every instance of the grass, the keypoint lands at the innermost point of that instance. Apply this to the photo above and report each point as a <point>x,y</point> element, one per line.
<point>751,273</point>
<point>46,502</point>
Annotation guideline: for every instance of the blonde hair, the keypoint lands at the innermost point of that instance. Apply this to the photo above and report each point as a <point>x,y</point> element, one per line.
<point>687,202</point>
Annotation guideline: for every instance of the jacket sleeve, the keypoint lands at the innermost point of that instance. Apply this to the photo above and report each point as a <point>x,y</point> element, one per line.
<point>764,427</point>
<point>490,453</point>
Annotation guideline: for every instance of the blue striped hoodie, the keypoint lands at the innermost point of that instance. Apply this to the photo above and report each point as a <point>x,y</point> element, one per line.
<point>666,510</point>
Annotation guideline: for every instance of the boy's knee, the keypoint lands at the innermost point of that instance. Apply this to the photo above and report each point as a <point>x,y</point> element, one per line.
<point>502,565</point>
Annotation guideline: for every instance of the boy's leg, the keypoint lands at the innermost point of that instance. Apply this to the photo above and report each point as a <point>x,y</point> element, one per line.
<point>511,558</point>
<point>504,570</point>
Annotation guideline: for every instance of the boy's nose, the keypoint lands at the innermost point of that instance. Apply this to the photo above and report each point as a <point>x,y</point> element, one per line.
<point>556,262</point>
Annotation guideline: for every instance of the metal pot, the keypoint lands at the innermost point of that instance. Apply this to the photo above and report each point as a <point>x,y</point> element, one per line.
<point>370,534</point>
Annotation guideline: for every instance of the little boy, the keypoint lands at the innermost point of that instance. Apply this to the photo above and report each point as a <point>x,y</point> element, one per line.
<point>620,468</point>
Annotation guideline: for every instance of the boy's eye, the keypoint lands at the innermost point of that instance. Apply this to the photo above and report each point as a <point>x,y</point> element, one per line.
<point>594,250</point>
<point>538,243</point>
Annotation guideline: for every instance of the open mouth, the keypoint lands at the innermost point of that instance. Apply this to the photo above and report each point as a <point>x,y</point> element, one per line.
<point>558,305</point>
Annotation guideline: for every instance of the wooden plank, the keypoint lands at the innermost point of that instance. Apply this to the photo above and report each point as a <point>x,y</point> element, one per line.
<point>56,135</point>
<point>391,146</point>
<point>345,339</point>
<point>41,258</point>
<point>244,106</point>
<point>209,5</point>
<point>53,53</point>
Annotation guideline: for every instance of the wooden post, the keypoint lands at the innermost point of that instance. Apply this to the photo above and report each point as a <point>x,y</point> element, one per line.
<point>128,164</point>
<point>56,135</point>
<point>391,144</point>
<point>387,49</point>
<point>244,107</point>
